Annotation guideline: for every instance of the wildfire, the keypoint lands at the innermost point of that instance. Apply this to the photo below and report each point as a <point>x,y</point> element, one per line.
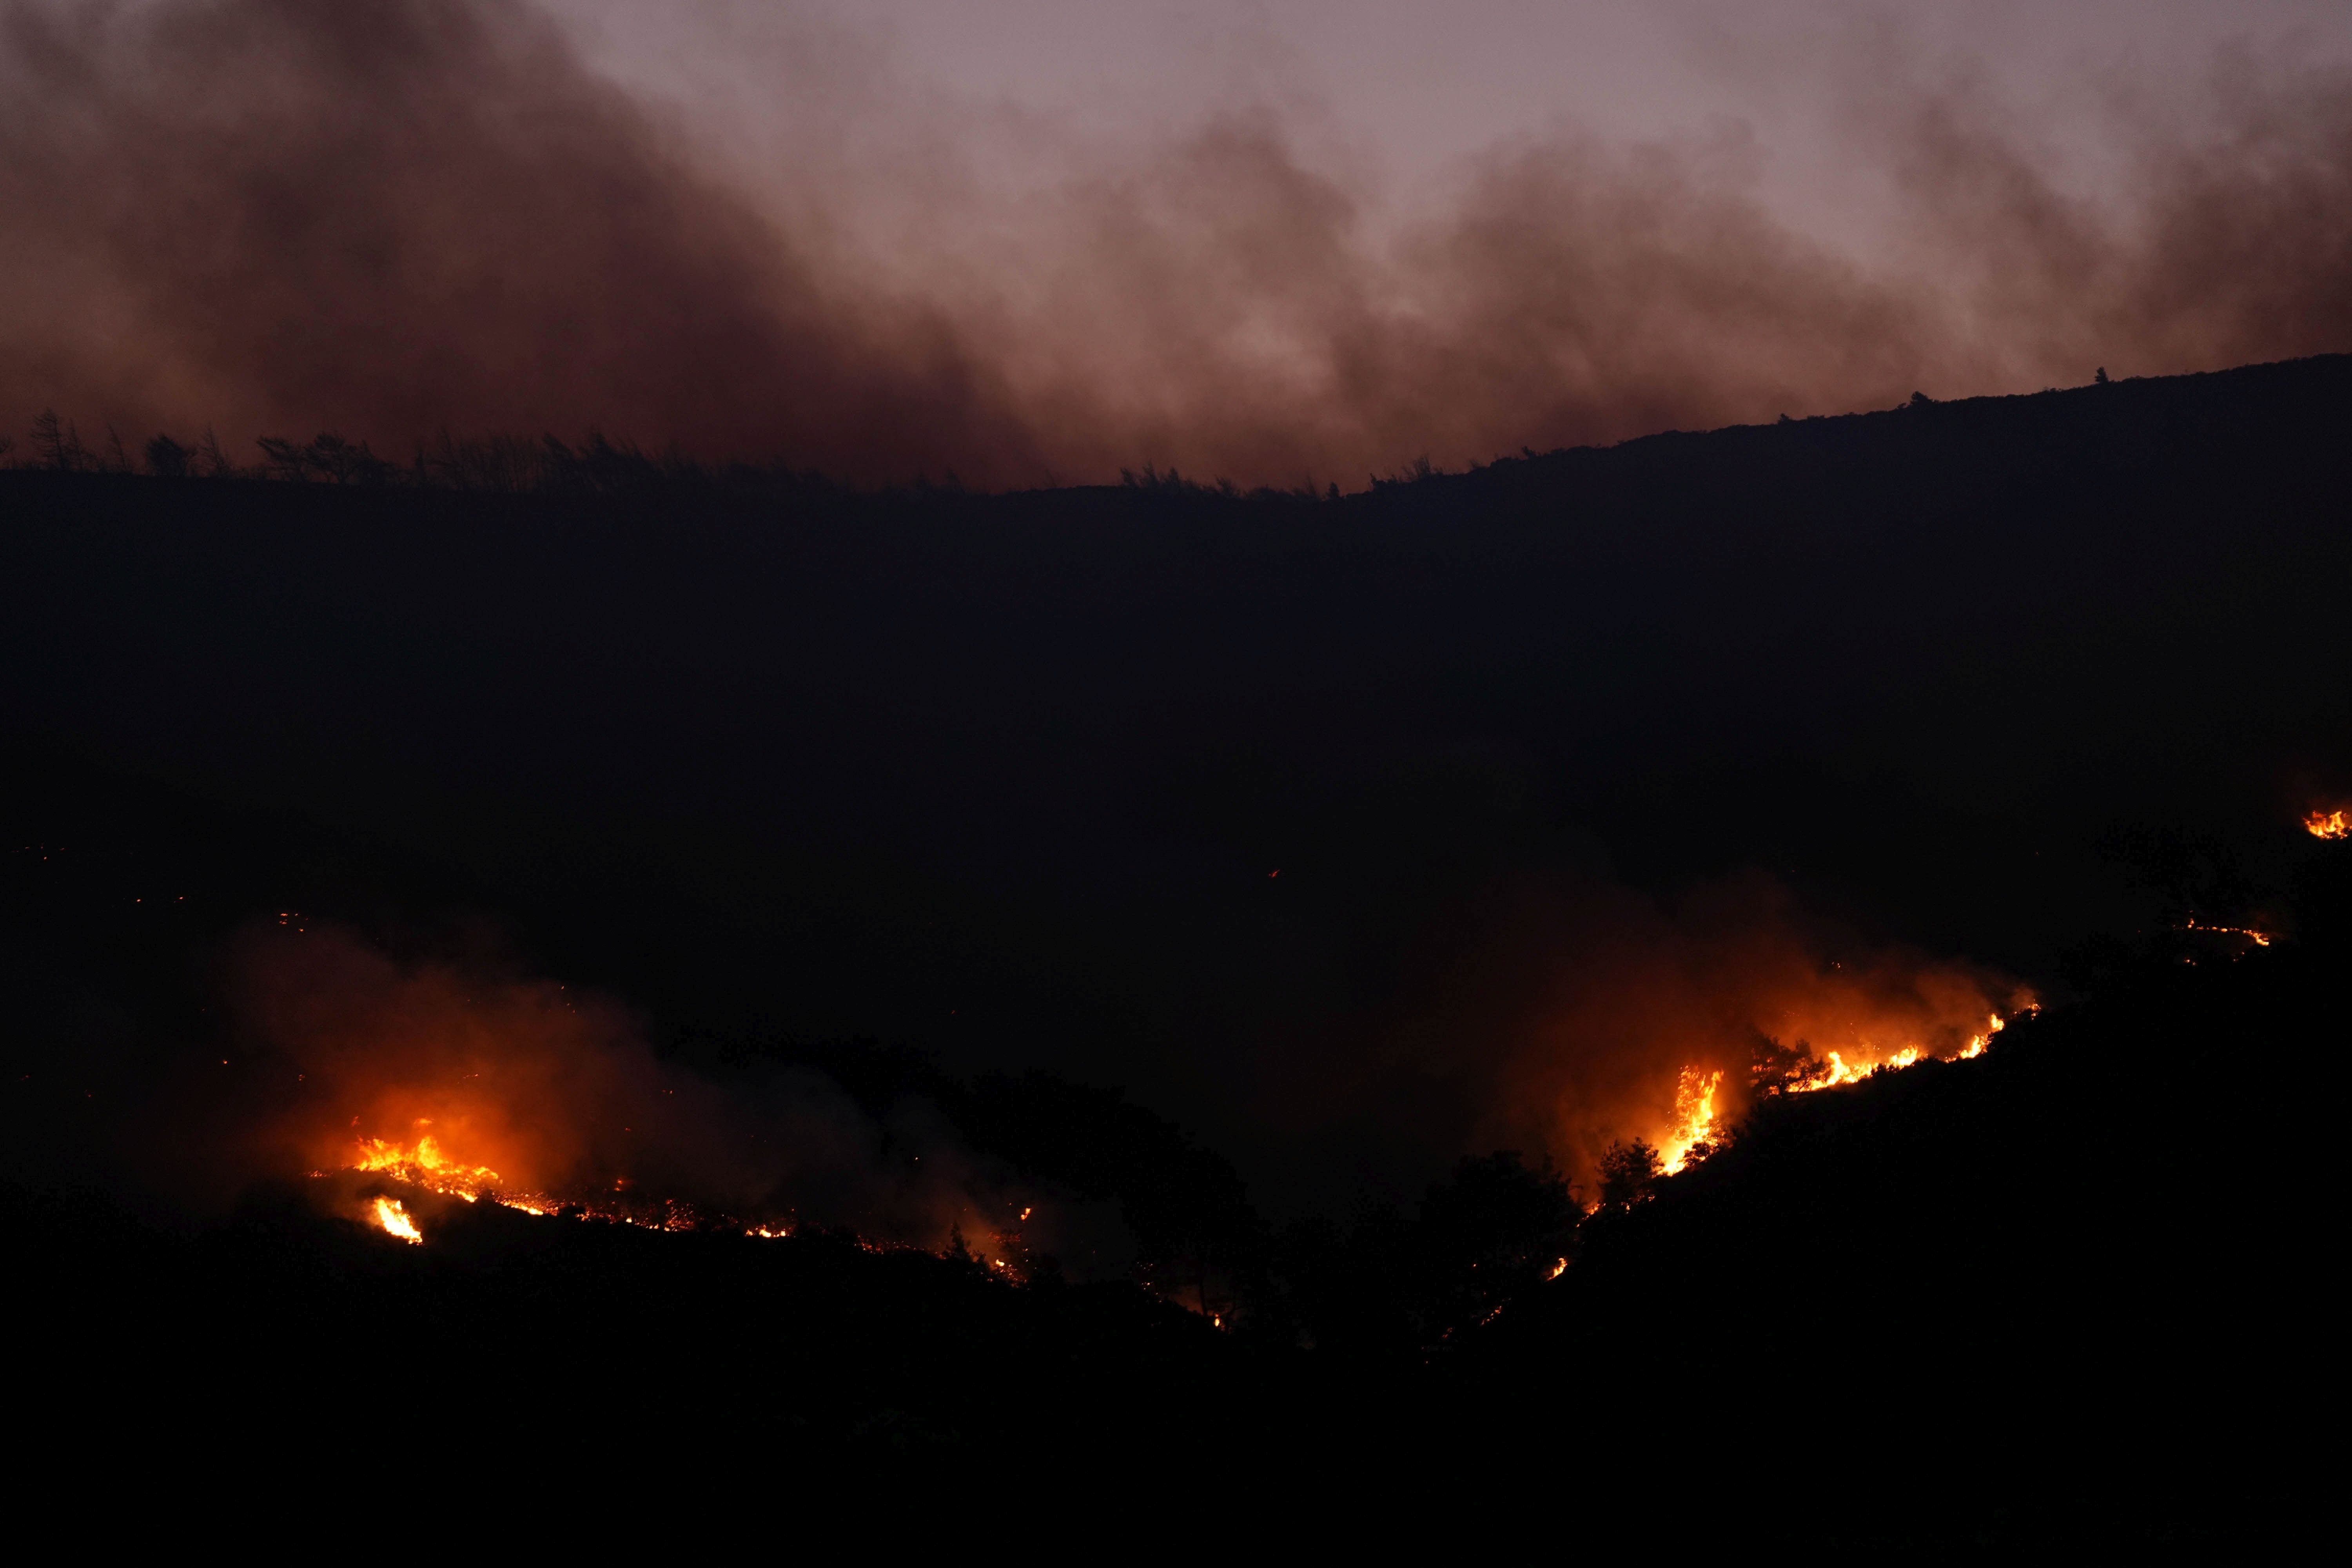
<point>2328,824</point>
<point>1694,1119</point>
<point>389,1215</point>
<point>1695,1132</point>
<point>423,1164</point>
<point>1836,1070</point>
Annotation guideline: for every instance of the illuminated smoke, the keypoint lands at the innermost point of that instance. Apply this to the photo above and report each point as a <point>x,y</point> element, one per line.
<point>453,1079</point>
<point>1645,1020</point>
<point>389,217</point>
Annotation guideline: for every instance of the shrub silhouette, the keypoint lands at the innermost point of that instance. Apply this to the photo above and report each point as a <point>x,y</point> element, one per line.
<point>167,459</point>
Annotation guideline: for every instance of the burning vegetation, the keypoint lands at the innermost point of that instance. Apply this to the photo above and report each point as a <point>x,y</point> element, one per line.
<point>391,1214</point>
<point>1700,1124</point>
<point>398,1171</point>
<point>412,1088</point>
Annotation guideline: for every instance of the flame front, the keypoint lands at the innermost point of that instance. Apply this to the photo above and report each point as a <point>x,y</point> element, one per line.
<point>423,1164</point>
<point>1696,1130</point>
<point>2328,824</point>
<point>389,1215</point>
<point>1836,1070</point>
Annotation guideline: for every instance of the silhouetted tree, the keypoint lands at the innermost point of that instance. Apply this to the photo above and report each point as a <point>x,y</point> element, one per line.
<point>166,459</point>
<point>1773,1067</point>
<point>1629,1173</point>
<point>57,444</point>
<point>326,456</point>
<point>210,460</point>
<point>1495,1228</point>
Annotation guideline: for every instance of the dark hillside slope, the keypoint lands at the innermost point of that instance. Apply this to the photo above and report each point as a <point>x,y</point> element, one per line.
<point>2079,1285</point>
<point>1004,778</point>
<point>2073,1293</point>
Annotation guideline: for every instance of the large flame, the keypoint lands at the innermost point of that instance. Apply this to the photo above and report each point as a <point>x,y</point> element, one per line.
<point>1694,1131</point>
<point>423,1164</point>
<point>2334,823</point>
<point>393,1217</point>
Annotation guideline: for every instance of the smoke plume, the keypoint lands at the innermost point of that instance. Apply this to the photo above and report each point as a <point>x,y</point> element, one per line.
<point>1566,1015</point>
<point>1649,995</point>
<point>559,1096</point>
<point>392,217</point>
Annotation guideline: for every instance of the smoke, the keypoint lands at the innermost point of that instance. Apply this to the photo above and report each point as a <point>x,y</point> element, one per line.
<point>1705,986</point>
<point>558,1094</point>
<point>401,215</point>
<point>1560,1017</point>
<point>389,217</point>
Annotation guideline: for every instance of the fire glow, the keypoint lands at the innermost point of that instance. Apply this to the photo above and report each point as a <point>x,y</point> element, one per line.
<point>1694,1132</point>
<point>1697,1129</point>
<point>391,1214</point>
<point>423,1164</point>
<point>2259,939</point>
<point>2336,823</point>
<point>1836,1070</point>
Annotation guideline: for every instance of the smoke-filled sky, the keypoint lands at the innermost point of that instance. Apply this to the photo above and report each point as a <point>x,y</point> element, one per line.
<point>1032,240</point>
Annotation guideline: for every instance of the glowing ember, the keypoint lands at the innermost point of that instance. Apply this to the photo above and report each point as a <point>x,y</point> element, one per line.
<point>1694,1119</point>
<point>2328,825</point>
<point>389,1215</point>
<point>2259,940</point>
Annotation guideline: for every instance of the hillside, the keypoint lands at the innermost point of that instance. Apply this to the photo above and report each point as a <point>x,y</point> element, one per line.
<point>2065,1294</point>
<point>1006,779</point>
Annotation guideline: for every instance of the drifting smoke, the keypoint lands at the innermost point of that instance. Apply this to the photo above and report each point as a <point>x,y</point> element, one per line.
<point>408,216</point>
<point>482,1085</point>
<point>1609,1015</point>
<point>392,217</point>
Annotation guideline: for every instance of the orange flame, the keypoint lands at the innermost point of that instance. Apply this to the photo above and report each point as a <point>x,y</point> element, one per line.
<point>1695,1132</point>
<point>2328,824</point>
<point>1694,1119</point>
<point>423,1164</point>
<point>1836,1070</point>
<point>389,1215</point>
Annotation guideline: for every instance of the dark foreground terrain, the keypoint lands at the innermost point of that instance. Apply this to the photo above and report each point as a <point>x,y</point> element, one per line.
<point>2071,1293</point>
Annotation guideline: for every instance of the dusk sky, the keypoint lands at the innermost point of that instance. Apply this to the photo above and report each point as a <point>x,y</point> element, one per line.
<point>1036,242</point>
<point>1400,92</point>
